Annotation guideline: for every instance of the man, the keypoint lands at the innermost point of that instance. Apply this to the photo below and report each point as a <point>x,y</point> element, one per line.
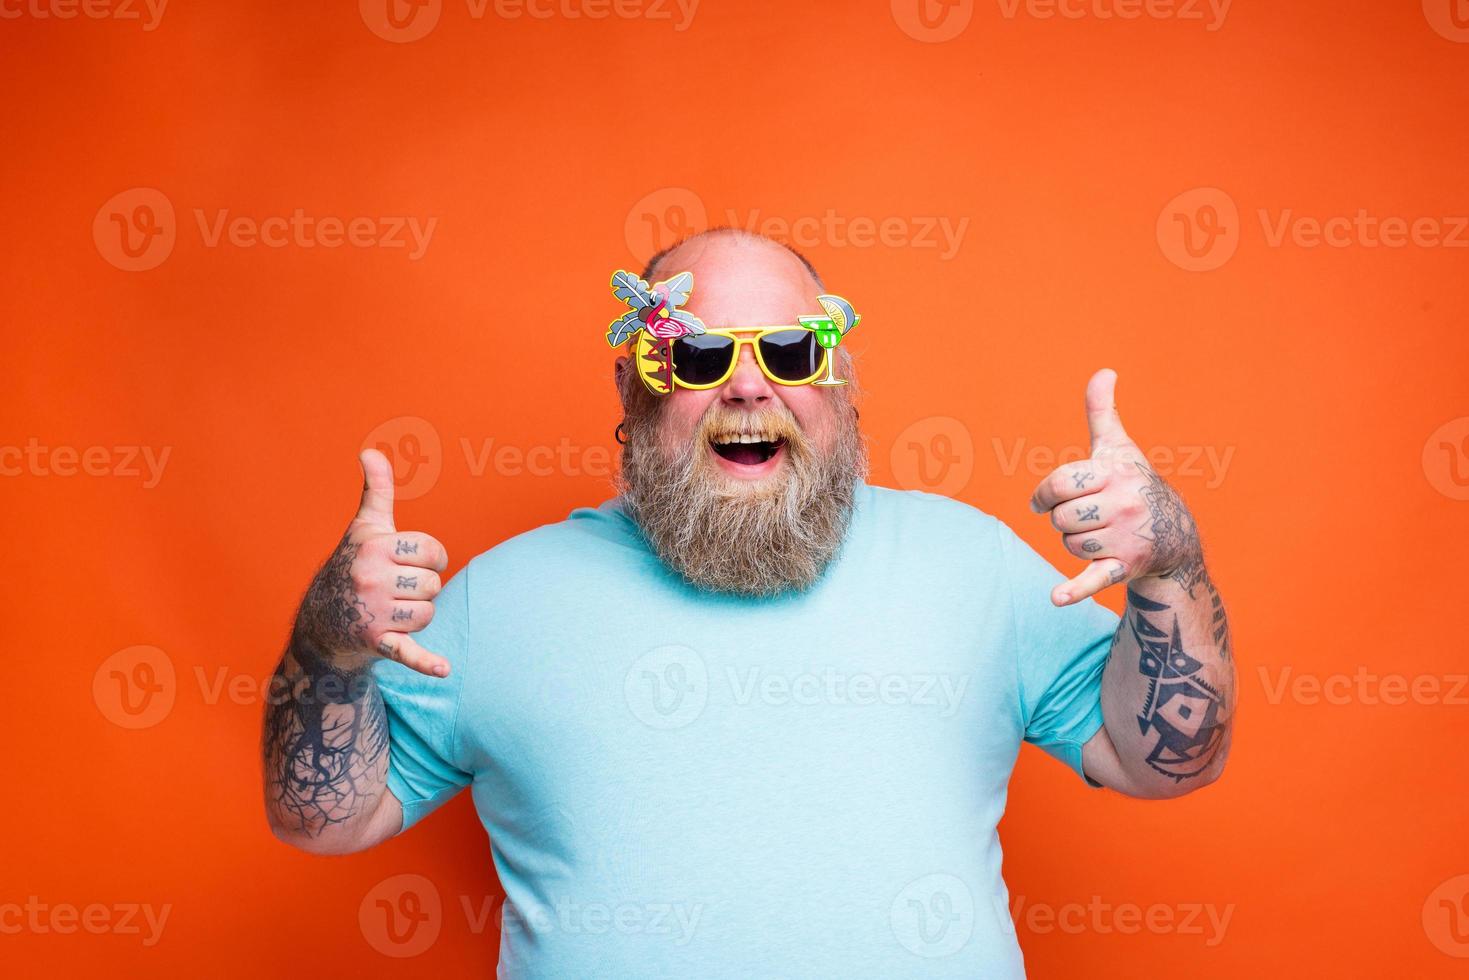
<point>753,718</point>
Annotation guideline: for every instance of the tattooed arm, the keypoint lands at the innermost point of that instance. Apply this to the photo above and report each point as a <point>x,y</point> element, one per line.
<point>1168,690</point>
<point>325,741</point>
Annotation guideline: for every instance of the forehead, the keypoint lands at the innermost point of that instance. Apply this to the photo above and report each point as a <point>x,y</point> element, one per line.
<point>740,282</point>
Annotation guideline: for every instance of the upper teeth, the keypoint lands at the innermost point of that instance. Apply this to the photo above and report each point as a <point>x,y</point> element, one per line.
<point>725,440</point>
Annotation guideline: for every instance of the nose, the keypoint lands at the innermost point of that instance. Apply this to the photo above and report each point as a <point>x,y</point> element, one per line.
<point>747,387</point>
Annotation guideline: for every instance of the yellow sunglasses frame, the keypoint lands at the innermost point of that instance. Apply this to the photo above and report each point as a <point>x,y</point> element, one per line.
<point>734,333</point>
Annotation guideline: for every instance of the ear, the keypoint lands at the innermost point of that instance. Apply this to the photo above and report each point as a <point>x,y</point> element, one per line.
<point>619,375</point>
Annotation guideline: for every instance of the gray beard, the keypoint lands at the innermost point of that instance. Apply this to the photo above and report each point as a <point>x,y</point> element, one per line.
<point>726,535</point>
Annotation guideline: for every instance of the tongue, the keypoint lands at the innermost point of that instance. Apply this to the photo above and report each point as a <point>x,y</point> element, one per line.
<point>747,453</point>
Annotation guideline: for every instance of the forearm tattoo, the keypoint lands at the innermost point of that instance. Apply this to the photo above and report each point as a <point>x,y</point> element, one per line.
<point>1187,713</point>
<point>326,730</point>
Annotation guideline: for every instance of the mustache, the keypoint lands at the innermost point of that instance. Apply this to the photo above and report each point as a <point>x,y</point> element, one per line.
<point>772,424</point>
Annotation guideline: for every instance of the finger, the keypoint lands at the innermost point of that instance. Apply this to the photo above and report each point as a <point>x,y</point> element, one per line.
<point>415,583</point>
<point>1090,545</point>
<point>410,615</point>
<point>377,489</point>
<point>1067,482</point>
<point>1088,513</point>
<point>1094,578</point>
<point>407,651</point>
<point>1102,419</point>
<point>418,549</point>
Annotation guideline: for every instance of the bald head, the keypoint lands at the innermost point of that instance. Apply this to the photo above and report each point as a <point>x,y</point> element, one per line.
<point>698,240</point>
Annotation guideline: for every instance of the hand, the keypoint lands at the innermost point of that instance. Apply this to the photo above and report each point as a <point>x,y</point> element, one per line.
<point>1113,509</point>
<point>375,589</point>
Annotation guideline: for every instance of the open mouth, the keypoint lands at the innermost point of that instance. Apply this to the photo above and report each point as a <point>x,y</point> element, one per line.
<point>746,449</point>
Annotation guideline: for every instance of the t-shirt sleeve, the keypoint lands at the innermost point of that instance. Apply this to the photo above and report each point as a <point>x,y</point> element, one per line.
<point>423,711</point>
<point>1061,651</point>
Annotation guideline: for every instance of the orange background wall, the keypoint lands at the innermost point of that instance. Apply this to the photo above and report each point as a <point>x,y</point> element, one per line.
<point>1313,399</point>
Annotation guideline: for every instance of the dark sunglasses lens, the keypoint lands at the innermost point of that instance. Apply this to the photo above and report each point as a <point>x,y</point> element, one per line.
<point>701,359</point>
<point>791,355</point>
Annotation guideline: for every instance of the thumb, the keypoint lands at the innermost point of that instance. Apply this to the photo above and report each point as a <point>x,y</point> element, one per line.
<point>1101,412</point>
<point>377,489</point>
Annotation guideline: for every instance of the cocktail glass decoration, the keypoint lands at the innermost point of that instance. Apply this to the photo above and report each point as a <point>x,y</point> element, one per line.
<point>840,320</point>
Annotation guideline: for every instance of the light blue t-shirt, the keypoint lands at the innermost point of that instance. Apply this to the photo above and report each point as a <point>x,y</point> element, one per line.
<point>686,785</point>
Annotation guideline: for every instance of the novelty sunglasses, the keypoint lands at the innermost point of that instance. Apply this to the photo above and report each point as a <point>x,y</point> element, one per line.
<point>672,347</point>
